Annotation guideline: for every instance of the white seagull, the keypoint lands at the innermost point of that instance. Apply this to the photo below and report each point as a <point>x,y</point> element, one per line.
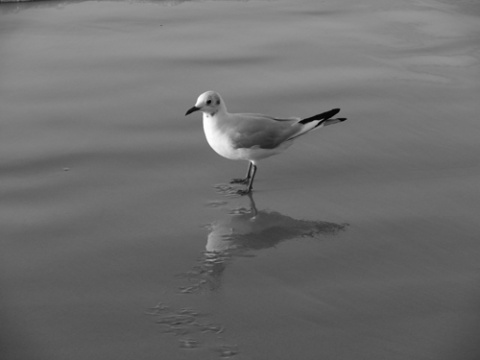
<point>252,137</point>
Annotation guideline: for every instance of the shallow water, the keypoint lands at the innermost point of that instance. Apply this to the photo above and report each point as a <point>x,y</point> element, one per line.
<point>120,239</point>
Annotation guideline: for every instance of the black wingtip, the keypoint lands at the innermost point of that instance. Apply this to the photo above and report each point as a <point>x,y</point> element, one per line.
<point>323,116</point>
<point>342,119</point>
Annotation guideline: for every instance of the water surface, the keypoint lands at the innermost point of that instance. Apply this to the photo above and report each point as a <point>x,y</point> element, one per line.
<point>119,237</point>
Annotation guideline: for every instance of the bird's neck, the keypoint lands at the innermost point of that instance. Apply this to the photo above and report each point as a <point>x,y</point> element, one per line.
<point>220,113</point>
<point>215,123</point>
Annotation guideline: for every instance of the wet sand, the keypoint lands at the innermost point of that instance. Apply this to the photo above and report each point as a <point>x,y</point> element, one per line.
<point>120,239</point>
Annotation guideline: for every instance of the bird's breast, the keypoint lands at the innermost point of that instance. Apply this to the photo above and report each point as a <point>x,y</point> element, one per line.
<point>218,138</point>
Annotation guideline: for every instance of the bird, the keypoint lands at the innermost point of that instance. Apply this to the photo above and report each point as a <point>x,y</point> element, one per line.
<point>250,136</point>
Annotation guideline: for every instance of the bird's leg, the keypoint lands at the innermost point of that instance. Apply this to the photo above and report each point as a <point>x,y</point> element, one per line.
<point>244,180</point>
<point>250,182</point>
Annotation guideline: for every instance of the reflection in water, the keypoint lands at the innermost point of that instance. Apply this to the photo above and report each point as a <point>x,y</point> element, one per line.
<point>242,232</point>
<point>238,232</point>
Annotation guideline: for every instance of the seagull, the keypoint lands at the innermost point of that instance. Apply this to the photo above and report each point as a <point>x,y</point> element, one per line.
<point>252,137</point>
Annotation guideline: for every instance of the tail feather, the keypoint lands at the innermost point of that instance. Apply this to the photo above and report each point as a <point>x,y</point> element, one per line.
<point>315,121</point>
<point>331,121</point>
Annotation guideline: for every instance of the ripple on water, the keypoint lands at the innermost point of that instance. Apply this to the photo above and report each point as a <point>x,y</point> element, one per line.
<point>227,190</point>
<point>193,328</point>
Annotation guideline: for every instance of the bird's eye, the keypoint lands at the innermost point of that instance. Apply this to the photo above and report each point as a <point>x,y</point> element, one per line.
<point>209,102</point>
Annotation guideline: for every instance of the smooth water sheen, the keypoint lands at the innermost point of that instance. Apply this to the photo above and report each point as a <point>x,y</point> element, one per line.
<point>119,235</point>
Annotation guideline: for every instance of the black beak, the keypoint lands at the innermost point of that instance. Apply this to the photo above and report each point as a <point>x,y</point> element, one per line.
<point>192,109</point>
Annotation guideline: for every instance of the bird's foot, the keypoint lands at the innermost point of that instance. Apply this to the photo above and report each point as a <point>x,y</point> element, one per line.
<point>239,181</point>
<point>242,192</point>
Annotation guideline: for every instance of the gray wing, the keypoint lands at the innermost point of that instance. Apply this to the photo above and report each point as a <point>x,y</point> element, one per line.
<point>257,130</point>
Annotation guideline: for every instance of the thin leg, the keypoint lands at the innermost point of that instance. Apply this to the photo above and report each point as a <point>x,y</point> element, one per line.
<point>247,177</point>
<point>249,170</point>
<point>250,183</point>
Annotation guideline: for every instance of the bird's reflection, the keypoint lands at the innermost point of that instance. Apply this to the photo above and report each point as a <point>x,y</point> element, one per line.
<point>241,231</point>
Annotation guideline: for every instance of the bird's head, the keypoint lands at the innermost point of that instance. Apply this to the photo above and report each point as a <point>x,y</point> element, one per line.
<point>209,102</point>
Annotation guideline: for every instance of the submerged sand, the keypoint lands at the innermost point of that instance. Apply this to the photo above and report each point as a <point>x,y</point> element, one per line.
<point>120,239</point>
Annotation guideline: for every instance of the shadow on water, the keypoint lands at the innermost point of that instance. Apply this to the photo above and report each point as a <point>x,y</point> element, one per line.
<point>239,231</point>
